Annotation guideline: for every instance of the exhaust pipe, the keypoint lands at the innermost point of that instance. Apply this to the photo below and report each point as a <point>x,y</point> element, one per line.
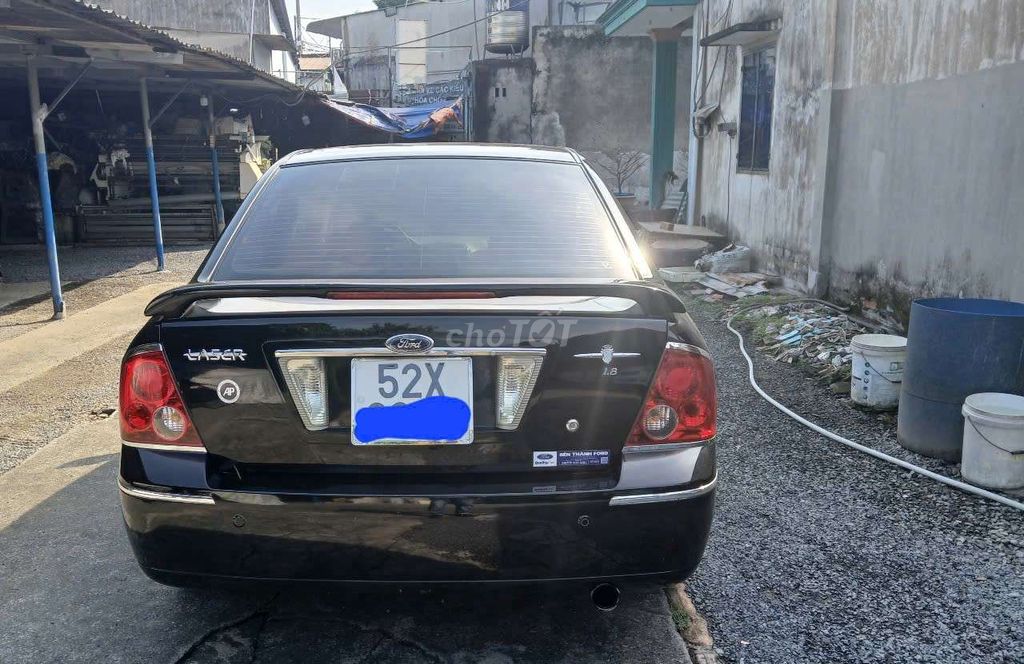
<point>605,596</point>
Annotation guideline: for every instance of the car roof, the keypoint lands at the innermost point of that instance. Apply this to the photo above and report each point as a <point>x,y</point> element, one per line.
<point>412,150</point>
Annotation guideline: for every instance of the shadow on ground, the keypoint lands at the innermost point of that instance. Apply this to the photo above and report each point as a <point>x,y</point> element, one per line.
<point>70,592</point>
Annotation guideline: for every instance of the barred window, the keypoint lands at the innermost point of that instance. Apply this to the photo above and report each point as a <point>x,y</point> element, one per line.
<point>758,87</point>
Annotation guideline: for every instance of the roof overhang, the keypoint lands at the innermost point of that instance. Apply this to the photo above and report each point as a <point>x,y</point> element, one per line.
<point>64,35</point>
<point>747,35</point>
<point>637,18</point>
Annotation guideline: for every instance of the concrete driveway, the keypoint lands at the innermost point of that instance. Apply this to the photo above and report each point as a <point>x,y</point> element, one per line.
<point>70,592</point>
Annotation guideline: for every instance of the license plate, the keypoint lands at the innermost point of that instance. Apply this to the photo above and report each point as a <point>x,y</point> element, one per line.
<point>412,401</point>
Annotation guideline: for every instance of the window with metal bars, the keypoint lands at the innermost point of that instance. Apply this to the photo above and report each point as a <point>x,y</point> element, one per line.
<point>755,131</point>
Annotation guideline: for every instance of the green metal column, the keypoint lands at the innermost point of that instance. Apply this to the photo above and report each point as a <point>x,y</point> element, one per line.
<point>663,110</point>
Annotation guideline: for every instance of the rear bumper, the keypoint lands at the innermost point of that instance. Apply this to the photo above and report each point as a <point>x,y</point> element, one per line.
<point>596,535</point>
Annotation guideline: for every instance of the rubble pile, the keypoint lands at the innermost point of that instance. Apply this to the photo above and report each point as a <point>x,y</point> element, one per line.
<point>806,333</point>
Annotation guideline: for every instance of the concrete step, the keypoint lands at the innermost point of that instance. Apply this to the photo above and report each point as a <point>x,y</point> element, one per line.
<point>654,231</point>
<point>676,251</point>
<point>672,201</point>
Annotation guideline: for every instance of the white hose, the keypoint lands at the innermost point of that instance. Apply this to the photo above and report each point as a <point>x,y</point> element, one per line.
<point>956,484</point>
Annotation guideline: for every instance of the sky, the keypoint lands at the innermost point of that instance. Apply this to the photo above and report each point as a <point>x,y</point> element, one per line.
<point>313,10</point>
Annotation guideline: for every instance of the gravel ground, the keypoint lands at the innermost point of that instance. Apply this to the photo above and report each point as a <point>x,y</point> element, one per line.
<point>822,554</point>
<point>39,410</point>
<point>90,275</point>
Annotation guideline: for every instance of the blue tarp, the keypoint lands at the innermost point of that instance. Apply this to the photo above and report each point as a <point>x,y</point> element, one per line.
<point>423,121</point>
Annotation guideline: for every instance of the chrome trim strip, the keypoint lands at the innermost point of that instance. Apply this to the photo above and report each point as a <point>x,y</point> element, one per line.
<point>145,494</point>
<point>615,356</point>
<point>667,497</point>
<point>386,352</point>
<point>164,448</point>
<point>689,348</point>
<point>654,448</point>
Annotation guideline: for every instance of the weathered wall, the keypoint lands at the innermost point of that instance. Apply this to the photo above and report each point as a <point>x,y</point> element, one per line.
<point>223,25</point>
<point>926,182</point>
<point>897,148</point>
<point>927,189</point>
<point>774,212</point>
<point>449,52</point>
<point>503,97</point>
<point>195,15</point>
<point>593,93</point>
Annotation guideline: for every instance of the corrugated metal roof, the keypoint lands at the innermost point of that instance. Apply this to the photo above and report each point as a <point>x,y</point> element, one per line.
<point>64,31</point>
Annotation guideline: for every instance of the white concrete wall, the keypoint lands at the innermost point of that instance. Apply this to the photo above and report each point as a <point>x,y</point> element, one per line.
<point>897,148</point>
<point>926,178</point>
<point>773,212</point>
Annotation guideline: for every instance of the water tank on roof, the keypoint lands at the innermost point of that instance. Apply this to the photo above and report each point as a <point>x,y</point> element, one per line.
<point>508,26</point>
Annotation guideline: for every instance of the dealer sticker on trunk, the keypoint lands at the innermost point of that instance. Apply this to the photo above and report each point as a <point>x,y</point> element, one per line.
<point>556,459</point>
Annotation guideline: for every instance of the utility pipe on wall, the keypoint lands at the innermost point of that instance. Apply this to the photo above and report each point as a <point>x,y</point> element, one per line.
<point>151,165</point>
<point>39,113</point>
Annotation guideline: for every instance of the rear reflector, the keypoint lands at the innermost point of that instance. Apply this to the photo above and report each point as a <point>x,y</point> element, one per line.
<point>308,386</point>
<point>681,404</point>
<point>517,375</point>
<point>151,407</point>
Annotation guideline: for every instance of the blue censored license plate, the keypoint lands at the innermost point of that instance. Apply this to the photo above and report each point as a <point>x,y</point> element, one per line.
<point>412,401</point>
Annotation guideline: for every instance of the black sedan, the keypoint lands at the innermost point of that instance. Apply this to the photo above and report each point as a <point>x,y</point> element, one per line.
<point>420,364</point>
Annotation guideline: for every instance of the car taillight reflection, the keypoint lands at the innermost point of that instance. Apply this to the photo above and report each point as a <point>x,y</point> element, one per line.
<point>681,404</point>
<point>151,408</point>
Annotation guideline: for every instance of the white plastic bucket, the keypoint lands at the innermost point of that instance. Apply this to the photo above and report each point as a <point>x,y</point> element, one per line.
<point>877,369</point>
<point>993,454</point>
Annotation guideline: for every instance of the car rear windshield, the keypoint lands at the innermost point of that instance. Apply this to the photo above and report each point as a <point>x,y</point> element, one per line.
<point>426,218</point>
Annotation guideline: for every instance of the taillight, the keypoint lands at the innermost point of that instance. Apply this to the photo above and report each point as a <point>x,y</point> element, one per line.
<point>681,403</point>
<point>151,408</point>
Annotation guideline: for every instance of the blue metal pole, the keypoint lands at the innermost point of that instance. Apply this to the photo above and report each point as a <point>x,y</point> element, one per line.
<point>215,161</point>
<point>38,114</point>
<point>663,111</point>
<point>151,164</point>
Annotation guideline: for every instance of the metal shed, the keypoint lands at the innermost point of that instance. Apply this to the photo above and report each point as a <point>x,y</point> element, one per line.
<point>58,57</point>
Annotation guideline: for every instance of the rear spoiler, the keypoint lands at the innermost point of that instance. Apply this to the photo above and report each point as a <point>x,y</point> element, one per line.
<point>656,300</point>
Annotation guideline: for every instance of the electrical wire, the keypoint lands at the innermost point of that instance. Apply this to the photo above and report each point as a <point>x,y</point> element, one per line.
<point>517,7</point>
<point>906,465</point>
<point>276,96</point>
<point>476,33</point>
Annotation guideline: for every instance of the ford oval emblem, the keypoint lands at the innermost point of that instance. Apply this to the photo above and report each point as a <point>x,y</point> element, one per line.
<point>545,456</point>
<point>409,343</point>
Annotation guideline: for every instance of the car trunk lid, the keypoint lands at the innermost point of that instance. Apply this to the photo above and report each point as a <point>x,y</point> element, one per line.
<point>597,355</point>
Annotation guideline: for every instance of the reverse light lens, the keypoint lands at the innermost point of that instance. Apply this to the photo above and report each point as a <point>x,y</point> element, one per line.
<point>169,423</point>
<point>151,408</point>
<point>517,376</point>
<point>660,422</point>
<point>681,403</point>
<point>308,386</point>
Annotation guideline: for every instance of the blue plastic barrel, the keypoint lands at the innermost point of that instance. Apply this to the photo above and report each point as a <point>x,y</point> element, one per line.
<point>956,348</point>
